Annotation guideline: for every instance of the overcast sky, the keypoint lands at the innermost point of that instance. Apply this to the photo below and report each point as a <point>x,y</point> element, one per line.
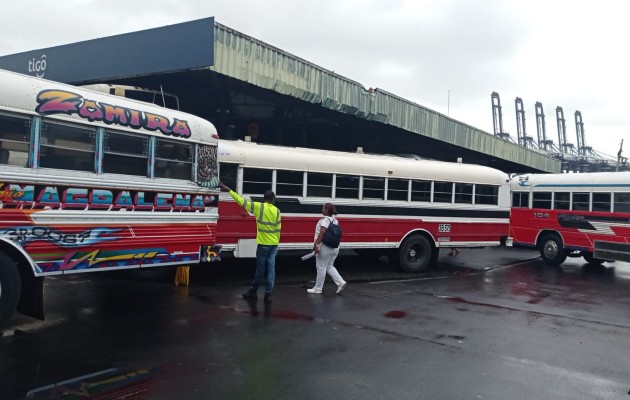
<point>570,54</point>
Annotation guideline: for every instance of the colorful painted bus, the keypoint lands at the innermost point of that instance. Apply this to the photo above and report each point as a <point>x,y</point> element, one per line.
<point>96,182</point>
<point>406,208</point>
<point>572,215</point>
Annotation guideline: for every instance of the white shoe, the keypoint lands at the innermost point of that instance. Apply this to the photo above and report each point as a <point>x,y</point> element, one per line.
<point>314,291</point>
<point>341,287</point>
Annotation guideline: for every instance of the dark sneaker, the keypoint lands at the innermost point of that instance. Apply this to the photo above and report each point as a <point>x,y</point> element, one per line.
<point>250,295</point>
<point>268,298</point>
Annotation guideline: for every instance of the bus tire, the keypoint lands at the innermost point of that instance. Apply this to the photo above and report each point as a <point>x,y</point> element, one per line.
<point>10,287</point>
<point>552,250</point>
<point>588,257</point>
<point>415,254</point>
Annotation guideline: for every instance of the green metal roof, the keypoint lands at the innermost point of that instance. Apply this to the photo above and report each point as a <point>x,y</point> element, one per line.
<point>245,58</point>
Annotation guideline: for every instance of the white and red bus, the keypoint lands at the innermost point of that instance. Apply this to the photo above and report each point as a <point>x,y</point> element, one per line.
<point>409,208</point>
<point>94,182</point>
<point>562,215</point>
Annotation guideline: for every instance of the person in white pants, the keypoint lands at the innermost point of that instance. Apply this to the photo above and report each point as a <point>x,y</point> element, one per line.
<point>324,255</point>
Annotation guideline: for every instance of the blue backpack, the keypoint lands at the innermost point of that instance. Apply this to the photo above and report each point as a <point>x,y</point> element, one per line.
<point>332,237</point>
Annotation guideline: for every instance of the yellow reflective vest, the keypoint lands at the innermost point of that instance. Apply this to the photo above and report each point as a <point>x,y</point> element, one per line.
<point>268,219</point>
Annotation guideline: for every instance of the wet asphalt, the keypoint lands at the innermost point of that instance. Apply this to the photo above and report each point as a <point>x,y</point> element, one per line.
<point>490,323</point>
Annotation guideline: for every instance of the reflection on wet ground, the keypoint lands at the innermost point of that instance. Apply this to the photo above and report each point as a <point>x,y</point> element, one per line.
<point>107,384</point>
<point>117,339</point>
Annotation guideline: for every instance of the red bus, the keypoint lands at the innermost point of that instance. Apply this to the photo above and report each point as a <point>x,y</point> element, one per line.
<point>95,182</point>
<point>407,208</point>
<point>572,215</point>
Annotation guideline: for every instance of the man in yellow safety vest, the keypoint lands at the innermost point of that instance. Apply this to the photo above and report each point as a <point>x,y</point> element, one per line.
<point>268,224</point>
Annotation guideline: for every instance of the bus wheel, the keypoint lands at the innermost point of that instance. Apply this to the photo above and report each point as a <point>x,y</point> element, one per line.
<point>10,287</point>
<point>588,257</point>
<point>414,255</point>
<point>551,249</point>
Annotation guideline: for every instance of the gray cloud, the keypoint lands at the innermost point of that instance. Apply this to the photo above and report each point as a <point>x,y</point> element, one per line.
<point>419,50</point>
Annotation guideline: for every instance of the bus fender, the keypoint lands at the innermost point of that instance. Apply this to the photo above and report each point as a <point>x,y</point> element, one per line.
<point>417,232</point>
<point>31,299</point>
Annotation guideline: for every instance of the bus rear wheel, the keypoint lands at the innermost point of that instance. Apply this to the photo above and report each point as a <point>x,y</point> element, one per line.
<point>415,254</point>
<point>10,287</point>
<point>552,250</point>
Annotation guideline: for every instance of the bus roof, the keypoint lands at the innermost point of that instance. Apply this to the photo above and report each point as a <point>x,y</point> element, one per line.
<point>315,160</point>
<point>586,180</point>
<point>24,94</point>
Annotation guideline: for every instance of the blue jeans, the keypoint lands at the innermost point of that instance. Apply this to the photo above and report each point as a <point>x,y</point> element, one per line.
<point>265,267</point>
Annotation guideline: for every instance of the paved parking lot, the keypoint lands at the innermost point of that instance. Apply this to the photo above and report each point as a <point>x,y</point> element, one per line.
<point>505,326</point>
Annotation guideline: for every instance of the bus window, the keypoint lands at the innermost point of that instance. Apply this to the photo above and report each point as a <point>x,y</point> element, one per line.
<point>541,200</point>
<point>14,140</point>
<point>561,201</point>
<point>228,173</point>
<point>257,181</point>
<point>319,185</point>
<point>622,202</point>
<point>347,187</point>
<point>442,192</point>
<point>421,191</point>
<point>125,154</point>
<point>173,159</point>
<point>398,189</point>
<point>601,202</point>
<point>520,199</point>
<point>289,183</point>
<point>373,188</point>
<point>463,193</point>
<point>486,194</point>
<point>581,201</point>
<point>67,147</point>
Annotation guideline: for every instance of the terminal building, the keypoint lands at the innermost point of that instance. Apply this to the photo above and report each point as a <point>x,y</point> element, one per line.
<point>250,89</point>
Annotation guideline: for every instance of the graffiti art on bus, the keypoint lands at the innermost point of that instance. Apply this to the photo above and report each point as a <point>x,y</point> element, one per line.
<point>16,195</point>
<point>116,258</point>
<point>54,101</point>
<point>207,168</point>
<point>24,235</point>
